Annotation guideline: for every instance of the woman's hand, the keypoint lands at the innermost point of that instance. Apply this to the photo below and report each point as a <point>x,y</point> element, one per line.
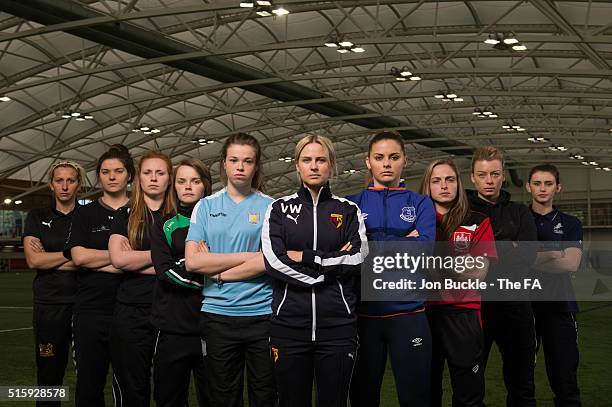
<point>414,233</point>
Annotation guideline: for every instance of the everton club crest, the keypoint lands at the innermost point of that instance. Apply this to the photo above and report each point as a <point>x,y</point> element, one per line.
<point>408,214</point>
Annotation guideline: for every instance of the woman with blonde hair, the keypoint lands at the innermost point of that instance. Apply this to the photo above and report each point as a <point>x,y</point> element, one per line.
<point>44,238</point>
<point>454,315</point>
<point>132,336</point>
<point>313,243</point>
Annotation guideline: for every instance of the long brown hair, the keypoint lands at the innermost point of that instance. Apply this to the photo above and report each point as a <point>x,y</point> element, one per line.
<point>140,215</point>
<point>257,183</point>
<point>201,169</point>
<point>460,208</point>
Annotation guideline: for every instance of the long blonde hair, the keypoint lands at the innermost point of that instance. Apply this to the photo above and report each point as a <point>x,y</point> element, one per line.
<point>140,214</point>
<point>460,208</point>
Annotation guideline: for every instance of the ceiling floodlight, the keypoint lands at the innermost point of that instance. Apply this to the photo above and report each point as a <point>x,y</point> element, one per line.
<point>5,99</point>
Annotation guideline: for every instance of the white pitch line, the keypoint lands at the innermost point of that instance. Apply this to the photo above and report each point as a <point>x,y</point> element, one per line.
<point>1,307</point>
<point>16,329</point>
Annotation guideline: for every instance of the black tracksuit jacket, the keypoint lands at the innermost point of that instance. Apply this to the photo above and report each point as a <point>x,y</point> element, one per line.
<point>511,222</point>
<point>314,300</point>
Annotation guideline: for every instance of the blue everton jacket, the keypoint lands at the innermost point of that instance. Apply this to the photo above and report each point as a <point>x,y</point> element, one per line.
<point>390,214</point>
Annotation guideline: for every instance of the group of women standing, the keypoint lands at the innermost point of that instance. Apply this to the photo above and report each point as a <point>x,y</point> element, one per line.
<point>183,282</point>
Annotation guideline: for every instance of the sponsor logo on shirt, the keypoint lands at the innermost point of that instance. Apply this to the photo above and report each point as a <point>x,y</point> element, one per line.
<point>45,350</point>
<point>295,219</point>
<point>558,229</point>
<point>408,214</point>
<point>216,215</point>
<point>417,341</point>
<point>47,224</point>
<point>461,240</point>
<point>336,219</point>
<point>253,218</point>
<point>102,228</point>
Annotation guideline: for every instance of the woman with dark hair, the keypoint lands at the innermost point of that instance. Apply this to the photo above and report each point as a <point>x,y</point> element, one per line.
<point>224,243</point>
<point>132,336</point>
<point>454,315</point>
<point>397,328</point>
<point>44,238</point>
<point>97,279</point>
<point>178,295</point>
<point>313,244</point>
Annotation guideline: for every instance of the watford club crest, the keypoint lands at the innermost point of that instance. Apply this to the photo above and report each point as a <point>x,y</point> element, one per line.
<point>274,353</point>
<point>45,350</point>
<point>336,219</point>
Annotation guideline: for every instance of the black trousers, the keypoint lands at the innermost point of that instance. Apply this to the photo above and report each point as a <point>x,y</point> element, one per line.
<point>557,333</point>
<point>132,346</point>
<point>92,357</point>
<point>330,363</point>
<point>458,339</point>
<point>53,335</point>
<point>176,358</point>
<point>511,326</point>
<point>230,343</point>
<point>407,339</point>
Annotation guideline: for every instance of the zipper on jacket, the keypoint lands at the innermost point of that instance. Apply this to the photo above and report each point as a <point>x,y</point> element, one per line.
<point>313,298</point>
<point>385,210</point>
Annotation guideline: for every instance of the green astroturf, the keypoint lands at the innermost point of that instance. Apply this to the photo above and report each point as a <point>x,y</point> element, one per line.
<point>595,340</point>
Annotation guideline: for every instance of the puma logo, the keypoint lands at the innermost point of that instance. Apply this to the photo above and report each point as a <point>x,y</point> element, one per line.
<point>294,219</point>
<point>48,224</point>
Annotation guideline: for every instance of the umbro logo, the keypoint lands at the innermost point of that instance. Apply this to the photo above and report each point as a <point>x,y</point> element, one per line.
<point>417,341</point>
<point>294,218</point>
<point>475,368</point>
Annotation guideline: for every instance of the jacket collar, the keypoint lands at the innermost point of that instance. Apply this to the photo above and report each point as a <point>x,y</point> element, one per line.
<point>371,187</point>
<point>324,194</point>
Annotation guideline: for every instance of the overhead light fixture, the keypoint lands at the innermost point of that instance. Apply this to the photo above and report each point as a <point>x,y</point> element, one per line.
<point>513,127</point>
<point>510,39</point>
<point>494,39</point>
<point>8,201</point>
<point>350,171</point>
<point>402,74</point>
<point>78,116</point>
<point>538,139</point>
<point>557,147</point>
<point>576,157</point>
<point>447,97</point>
<point>505,41</point>
<point>146,129</point>
<point>286,159</point>
<point>202,141</point>
<point>5,99</point>
<point>18,202</point>
<point>280,11</point>
<point>607,169</point>
<point>343,46</point>
<point>264,8</point>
